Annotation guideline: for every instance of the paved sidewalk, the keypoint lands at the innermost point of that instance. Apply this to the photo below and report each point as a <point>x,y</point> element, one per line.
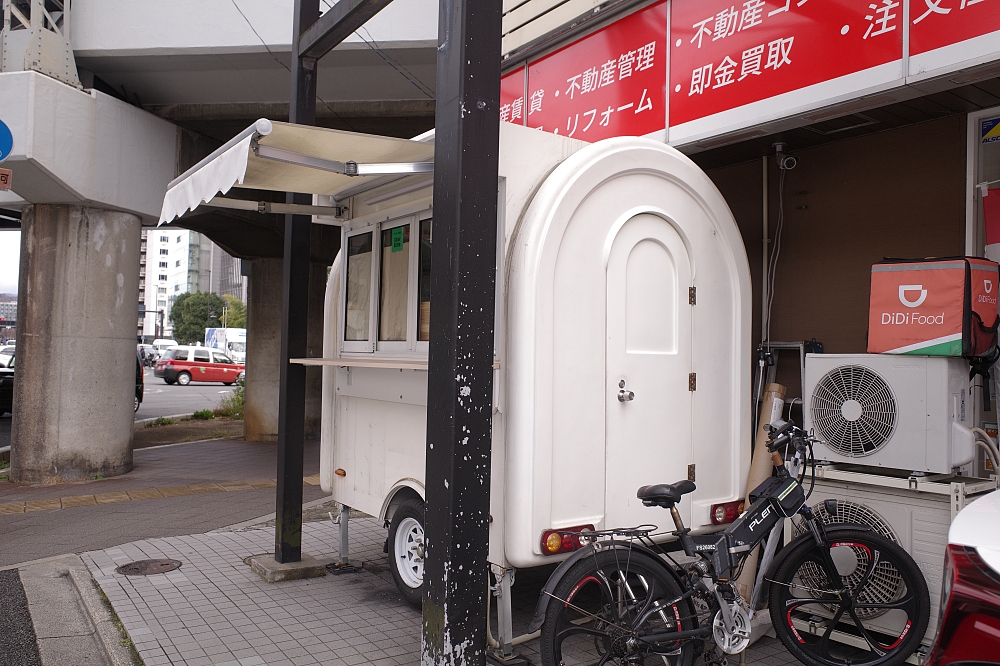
<point>173,490</point>
<point>214,611</point>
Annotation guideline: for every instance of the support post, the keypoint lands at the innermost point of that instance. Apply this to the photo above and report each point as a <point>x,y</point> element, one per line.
<point>295,309</point>
<point>460,377</point>
<point>345,534</point>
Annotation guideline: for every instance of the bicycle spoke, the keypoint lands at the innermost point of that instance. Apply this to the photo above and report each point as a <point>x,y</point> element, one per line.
<point>875,646</point>
<point>824,641</point>
<point>579,629</point>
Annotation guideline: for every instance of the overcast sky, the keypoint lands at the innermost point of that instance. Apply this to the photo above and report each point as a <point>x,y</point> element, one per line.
<point>10,253</point>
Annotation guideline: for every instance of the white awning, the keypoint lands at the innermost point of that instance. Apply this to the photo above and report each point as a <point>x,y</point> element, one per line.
<point>285,157</point>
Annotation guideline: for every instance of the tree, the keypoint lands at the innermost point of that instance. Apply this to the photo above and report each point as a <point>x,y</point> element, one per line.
<point>192,313</point>
<point>236,316</point>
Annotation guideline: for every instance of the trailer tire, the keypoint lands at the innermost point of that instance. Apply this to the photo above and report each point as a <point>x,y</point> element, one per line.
<point>406,550</point>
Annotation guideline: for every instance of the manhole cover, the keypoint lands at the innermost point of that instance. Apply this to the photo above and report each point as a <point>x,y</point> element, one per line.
<point>148,567</point>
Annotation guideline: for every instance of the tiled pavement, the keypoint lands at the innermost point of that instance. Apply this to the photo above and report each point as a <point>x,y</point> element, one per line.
<point>215,612</point>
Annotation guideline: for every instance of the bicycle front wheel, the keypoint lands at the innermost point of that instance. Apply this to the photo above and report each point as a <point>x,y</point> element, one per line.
<point>861,601</point>
<point>605,602</point>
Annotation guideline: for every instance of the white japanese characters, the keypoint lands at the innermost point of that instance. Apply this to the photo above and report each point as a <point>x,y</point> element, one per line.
<point>943,7</point>
<point>732,20</point>
<point>725,73</point>
<point>882,18</point>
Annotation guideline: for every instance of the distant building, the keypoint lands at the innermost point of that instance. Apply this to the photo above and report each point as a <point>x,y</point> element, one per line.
<point>176,261</point>
<point>8,319</point>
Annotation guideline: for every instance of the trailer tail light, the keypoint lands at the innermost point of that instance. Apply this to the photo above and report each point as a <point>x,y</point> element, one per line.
<point>969,618</point>
<point>727,512</point>
<point>565,540</point>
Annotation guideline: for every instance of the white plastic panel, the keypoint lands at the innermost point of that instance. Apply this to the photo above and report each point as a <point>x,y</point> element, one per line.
<point>560,379</point>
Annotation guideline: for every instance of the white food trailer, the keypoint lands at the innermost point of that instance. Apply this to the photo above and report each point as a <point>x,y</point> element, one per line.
<point>622,350</point>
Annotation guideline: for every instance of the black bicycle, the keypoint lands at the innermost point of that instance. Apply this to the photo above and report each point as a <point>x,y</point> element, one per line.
<point>838,595</point>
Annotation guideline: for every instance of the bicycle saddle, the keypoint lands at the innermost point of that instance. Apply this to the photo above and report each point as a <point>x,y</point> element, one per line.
<point>665,494</point>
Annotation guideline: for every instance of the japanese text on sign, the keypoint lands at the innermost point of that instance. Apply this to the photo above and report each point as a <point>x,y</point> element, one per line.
<point>726,54</point>
<point>610,83</point>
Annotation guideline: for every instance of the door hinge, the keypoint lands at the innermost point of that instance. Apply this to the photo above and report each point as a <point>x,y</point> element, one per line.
<point>693,381</point>
<point>692,295</point>
<point>691,473</point>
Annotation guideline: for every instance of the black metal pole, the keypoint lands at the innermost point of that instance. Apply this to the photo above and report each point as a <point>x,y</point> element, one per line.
<point>295,315</point>
<point>460,378</point>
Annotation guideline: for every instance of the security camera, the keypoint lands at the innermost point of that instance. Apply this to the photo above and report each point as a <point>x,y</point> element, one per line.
<point>785,162</point>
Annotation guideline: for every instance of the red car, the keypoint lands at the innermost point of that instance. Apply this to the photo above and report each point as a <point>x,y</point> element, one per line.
<point>969,623</point>
<point>184,365</point>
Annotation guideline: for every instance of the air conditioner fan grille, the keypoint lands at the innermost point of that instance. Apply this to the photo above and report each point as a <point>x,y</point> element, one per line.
<point>885,585</point>
<point>853,410</point>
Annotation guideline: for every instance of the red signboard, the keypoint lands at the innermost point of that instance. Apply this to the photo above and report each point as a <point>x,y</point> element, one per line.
<point>610,83</point>
<point>937,23</point>
<point>512,97</point>
<point>724,54</point>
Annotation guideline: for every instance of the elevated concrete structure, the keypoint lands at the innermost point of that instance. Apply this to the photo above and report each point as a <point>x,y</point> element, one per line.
<point>74,395</point>
<point>85,148</point>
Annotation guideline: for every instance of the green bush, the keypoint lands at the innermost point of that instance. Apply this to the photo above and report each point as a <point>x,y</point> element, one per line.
<point>231,406</point>
<point>203,414</point>
<point>160,421</point>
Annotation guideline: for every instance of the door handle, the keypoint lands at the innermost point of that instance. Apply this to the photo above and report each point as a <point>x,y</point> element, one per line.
<point>623,395</point>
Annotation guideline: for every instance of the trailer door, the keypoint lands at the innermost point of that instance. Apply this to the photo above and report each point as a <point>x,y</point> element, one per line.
<point>648,356</point>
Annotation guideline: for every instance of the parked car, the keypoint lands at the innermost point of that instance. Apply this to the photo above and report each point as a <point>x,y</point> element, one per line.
<point>969,619</point>
<point>6,380</point>
<point>140,380</point>
<point>183,365</point>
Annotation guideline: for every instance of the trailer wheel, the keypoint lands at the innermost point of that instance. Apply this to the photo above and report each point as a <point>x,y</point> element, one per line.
<point>406,550</point>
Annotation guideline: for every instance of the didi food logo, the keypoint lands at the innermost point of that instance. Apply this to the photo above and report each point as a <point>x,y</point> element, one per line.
<point>912,296</point>
<point>903,288</point>
<point>988,288</point>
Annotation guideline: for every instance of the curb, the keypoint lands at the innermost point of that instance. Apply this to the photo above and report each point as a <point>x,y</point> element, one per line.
<point>258,522</point>
<point>101,618</point>
<point>143,422</point>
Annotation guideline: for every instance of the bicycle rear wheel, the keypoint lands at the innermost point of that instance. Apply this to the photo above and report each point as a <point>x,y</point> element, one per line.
<point>862,601</point>
<point>603,601</point>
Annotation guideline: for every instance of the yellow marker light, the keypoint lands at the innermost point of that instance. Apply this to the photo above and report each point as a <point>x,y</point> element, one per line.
<point>553,542</point>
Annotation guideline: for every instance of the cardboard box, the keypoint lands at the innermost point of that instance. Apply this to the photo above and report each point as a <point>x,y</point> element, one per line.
<point>934,307</point>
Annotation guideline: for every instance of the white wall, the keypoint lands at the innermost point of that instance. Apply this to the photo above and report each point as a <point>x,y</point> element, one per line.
<point>165,27</point>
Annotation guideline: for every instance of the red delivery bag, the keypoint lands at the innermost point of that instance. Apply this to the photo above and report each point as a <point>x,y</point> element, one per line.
<point>934,307</point>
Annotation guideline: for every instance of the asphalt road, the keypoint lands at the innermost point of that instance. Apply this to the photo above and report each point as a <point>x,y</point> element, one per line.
<point>161,399</point>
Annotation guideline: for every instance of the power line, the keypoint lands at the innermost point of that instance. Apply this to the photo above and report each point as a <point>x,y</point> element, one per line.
<point>277,60</point>
<point>399,67</point>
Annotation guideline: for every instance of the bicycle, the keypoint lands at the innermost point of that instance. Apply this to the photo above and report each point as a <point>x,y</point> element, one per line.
<point>623,598</point>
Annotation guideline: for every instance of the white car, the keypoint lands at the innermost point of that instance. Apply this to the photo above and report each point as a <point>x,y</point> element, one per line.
<point>969,620</point>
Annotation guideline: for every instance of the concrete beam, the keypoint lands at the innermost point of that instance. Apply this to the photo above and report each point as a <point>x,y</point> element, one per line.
<point>85,148</point>
<point>392,108</point>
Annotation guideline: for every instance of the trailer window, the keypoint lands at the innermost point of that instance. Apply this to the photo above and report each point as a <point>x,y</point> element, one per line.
<point>424,283</point>
<point>359,276</point>
<point>395,264</point>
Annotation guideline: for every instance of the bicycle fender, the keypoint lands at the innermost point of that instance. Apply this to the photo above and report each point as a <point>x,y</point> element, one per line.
<point>831,530</point>
<point>587,551</point>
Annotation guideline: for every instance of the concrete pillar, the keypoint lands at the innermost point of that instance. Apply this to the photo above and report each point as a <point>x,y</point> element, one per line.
<point>263,372</point>
<point>75,389</point>
<point>314,345</point>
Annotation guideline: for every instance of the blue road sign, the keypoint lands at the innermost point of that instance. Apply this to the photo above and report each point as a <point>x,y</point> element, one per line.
<point>6,141</point>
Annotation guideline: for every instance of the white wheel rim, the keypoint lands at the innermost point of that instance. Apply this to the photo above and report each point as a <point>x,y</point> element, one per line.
<point>409,552</point>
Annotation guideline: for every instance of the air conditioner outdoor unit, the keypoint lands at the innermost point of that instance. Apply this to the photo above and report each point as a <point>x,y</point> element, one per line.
<point>911,413</point>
